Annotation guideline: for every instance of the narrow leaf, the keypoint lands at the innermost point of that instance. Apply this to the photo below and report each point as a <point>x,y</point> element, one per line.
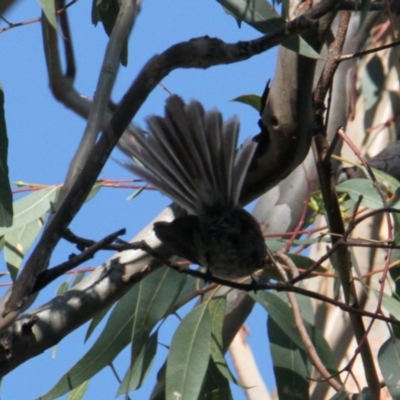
<point>114,338</point>
<point>216,308</point>
<point>282,315</point>
<point>95,322</point>
<point>215,386</point>
<point>155,297</point>
<point>135,377</point>
<point>290,364</point>
<point>6,209</point>
<point>79,392</point>
<point>49,10</point>
<point>18,242</point>
<point>389,363</point>
<point>95,189</point>
<point>189,355</point>
<point>136,193</point>
<point>32,207</point>
<point>262,16</point>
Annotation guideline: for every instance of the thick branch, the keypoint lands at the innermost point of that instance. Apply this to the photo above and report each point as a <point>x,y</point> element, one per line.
<point>197,53</point>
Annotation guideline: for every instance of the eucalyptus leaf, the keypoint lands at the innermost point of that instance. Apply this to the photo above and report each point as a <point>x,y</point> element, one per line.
<point>263,17</point>
<point>49,10</point>
<point>32,207</point>
<point>112,340</point>
<point>252,100</point>
<point>389,363</point>
<point>18,242</point>
<point>79,392</point>
<point>6,208</point>
<point>217,308</point>
<point>189,355</point>
<point>137,374</point>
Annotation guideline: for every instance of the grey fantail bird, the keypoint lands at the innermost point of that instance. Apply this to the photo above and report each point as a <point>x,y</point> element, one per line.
<point>191,156</point>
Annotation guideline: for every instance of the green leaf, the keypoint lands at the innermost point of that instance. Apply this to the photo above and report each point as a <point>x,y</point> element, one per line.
<point>189,355</point>
<point>32,207</point>
<point>252,100</point>
<point>391,304</point>
<point>154,301</point>
<point>114,338</point>
<point>155,298</point>
<point>135,376</point>
<point>62,288</point>
<point>78,278</point>
<point>79,392</point>
<point>365,4</point>
<point>120,327</point>
<point>262,16</point>
<point>215,385</point>
<point>357,187</point>
<point>216,308</point>
<point>18,242</point>
<point>389,363</point>
<point>290,364</point>
<point>108,11</point>
<point>191,287</point>
<point>257,13</point>
<point>136,193</point>
<point>95,322</point>
<point>6,209</point>
<point>49,10</point>
<point>95,189</point>
<point>299,45</point>
<point>282,315</point>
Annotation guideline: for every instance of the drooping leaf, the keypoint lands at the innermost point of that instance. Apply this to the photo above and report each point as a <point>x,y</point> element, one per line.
<point>216,308</point>
<point>32,207</point>
<point>136,193</point>
<point>158,392</point>
<point>6,208</point>
<point>49,10</point>
<point>62,288</point>
<point>117,333</point>
<point>282,315</point>
<point>192,285</point>
<point>215,385</point>
<point>391,304</point>
<point>135,377</point>
<point>364,8</point>
<point>389,363</point>
<point>372,82</point>
<point>257,13</point>
<point>95,189</point>
<point>113,339</point>
<point>79,392</point>
<point>95,322</point>
<point>262,16</point>
<point>290,364</point>
<point>154,300</point>
<point>18,242</point>
<point>107,13</point>
<point>189,355</point>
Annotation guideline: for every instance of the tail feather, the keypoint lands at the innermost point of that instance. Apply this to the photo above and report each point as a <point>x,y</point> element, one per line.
<point>191,156</point>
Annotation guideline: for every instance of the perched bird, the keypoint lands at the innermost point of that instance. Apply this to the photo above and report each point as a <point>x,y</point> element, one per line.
<point>191,156</point>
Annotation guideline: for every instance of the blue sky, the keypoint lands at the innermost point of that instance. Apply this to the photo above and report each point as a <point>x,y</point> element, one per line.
<point>44,135</point>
